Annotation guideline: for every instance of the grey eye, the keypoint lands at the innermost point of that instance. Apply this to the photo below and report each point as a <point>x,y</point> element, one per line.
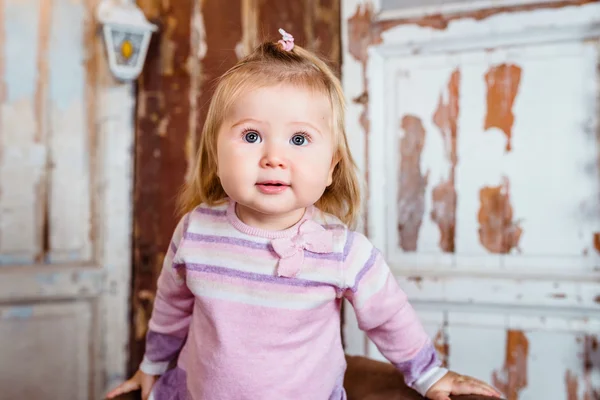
<point>252,137</point>
<point>299,140</point>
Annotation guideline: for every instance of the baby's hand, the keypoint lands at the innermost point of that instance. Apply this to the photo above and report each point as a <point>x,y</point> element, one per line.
<point>140,380</point>
<point>453,383</point>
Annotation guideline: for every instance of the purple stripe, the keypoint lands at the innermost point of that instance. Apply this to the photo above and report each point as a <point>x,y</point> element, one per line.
<point>162,347</point>
<point>324,256</point>
<point>338,392</point>
<point>197,237</point>
<point>425,359</point>
<point>348,245</point>
<point>172,385</point>
<point>211,211</point>
<point>178,265</point>
<point>173,247</point>
<point>212,269</point>
<point>368,265</point>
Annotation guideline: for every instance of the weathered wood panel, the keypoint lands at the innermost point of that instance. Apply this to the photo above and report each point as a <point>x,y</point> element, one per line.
<point>47,360</point>
<point>46,140</point>
<point>23,154</point>
<point>478,133</point>
<point>162,128</point>
<point>69,139</point>
<point>198,42</point>
<point>56,176</point>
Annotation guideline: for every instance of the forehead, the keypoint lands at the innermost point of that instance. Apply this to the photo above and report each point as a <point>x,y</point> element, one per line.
<point>284,101</point>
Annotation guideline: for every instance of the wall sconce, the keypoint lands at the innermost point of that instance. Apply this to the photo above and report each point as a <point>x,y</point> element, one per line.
<point>126,35</point>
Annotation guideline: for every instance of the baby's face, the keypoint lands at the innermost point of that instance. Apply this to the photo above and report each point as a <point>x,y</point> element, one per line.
<point>275,150</point>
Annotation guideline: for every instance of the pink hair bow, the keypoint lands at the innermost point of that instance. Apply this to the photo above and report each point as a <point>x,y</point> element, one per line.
<point>287,40</point>
<point>311,237</point>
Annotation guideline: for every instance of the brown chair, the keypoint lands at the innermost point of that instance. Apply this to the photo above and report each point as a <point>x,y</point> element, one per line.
<point>368,379</point>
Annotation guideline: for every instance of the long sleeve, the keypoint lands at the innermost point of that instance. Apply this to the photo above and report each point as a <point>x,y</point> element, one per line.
<point>172,312</point>
<point>384,313</point>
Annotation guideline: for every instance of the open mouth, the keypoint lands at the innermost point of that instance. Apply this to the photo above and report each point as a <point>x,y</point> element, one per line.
<point>272,187</point>
<point>271,183</point>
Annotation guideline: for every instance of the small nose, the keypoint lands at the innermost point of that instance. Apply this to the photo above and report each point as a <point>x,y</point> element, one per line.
<point>273,157</point>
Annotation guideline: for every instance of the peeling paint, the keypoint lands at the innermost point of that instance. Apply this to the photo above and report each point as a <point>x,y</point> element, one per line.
<point>412,182</point>
<point>571,384</point>
<point>42,67</point>
<point>502,83</point>
<point>498,233</point>
<point>558,296</point>
<point>23,155</point>
<point>322,29</point>
<point>590,358</point>
<point>361,34</point>
<point>197,42</point>
<point>591,354</point>
<point>443,211</point>
<point>162,128</point>
<point>168,46</point>
<point>442,347</point>
<point>513,376</point>
<point>416,279</point>
<point>250,32</point>
<point>441,21</point>
<point>198,34</point>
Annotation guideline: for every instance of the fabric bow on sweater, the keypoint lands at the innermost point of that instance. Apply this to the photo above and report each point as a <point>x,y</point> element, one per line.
<point>311,237</point>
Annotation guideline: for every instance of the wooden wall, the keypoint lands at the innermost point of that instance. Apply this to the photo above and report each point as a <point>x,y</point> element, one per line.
<point>477,123</point>
<point>197,42</point>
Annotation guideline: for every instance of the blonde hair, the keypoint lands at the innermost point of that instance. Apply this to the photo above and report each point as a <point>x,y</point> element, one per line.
<point>269,65</point>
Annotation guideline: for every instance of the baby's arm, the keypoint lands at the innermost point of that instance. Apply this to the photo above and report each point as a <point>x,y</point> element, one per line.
<point>172,312</point>
<point>384,313</point>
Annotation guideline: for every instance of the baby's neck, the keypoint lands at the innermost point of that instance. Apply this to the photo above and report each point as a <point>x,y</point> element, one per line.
<point>269,222</point>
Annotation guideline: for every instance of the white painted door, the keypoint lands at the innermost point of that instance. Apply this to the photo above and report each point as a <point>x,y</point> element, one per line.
<point>478,135</point>
<point>66,133</point>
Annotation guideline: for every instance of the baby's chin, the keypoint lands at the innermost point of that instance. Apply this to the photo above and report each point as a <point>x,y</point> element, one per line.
<point>274,205</point>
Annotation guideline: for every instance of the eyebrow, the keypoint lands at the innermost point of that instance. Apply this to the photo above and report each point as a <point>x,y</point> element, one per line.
<point>309,125</point>
<point>245,120</point>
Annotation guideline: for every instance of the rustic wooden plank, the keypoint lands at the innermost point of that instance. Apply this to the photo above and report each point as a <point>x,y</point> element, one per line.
<point>115,141</point>
<point>50,283</point>
<point>59,331</point>
<point>440,16</point>
<point>110,116</point>
<point>163,119</point>
<point>23,152</point>
<point>69,200</point>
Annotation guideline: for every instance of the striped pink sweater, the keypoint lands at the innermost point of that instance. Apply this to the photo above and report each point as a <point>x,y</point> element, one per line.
<point>239,330</point>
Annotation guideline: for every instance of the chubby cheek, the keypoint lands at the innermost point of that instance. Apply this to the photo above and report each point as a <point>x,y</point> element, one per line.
<point>315,171</point>
<point>233,168</point>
